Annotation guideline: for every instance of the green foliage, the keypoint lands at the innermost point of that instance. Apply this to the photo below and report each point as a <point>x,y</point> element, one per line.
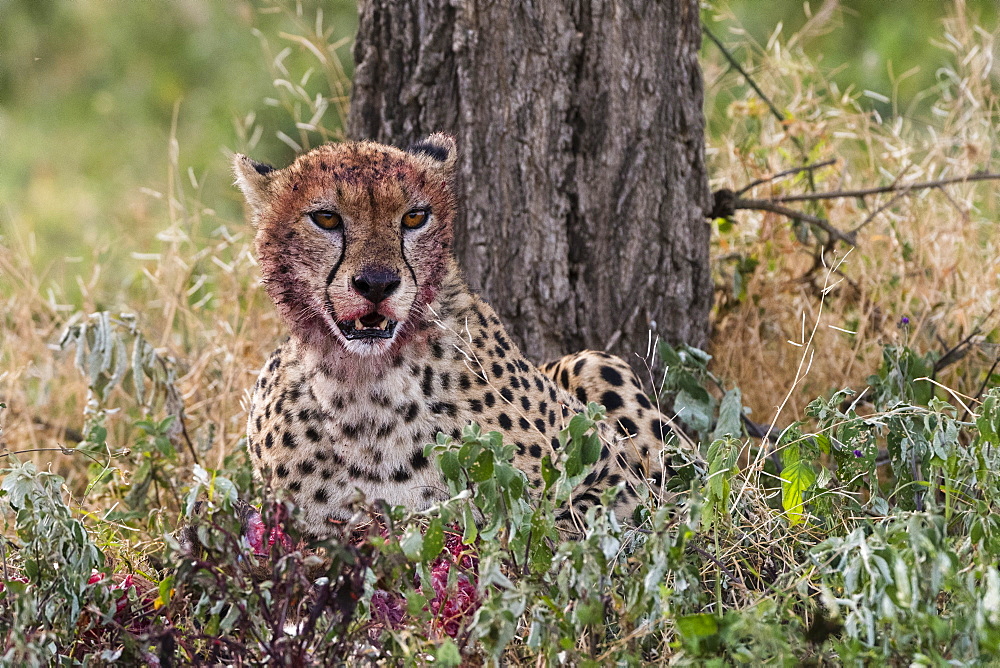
<point>797,480</point>
<point>860,567</point>
<point>685,379</point>
<point>722,455</point>
<point>51,602</point>
<point>112,354</point>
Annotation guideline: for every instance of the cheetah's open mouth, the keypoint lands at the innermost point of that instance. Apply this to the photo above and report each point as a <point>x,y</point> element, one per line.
<point>371,326</point>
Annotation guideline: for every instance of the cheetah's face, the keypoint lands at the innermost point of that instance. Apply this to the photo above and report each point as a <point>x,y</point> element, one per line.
<point>353,239</point>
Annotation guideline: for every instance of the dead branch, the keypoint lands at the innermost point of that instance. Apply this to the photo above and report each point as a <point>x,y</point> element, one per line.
<point>739,68</point>
<point>727,202</point>
<point>788,172</point>
<point>895,187</point>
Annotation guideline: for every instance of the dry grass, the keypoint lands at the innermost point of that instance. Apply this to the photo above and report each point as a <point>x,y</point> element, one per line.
<point>196,293</point>
<point>930,256</point>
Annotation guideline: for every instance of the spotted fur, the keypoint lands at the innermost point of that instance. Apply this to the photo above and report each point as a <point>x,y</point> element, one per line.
<point>335,419</point>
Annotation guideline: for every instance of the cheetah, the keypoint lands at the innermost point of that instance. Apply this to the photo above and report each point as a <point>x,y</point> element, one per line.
<point>388,346</point>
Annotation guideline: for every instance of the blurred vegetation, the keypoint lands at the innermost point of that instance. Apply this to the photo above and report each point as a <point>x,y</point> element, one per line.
<point>89,89</point>
<point>893,49</point>
<point>88,93</point>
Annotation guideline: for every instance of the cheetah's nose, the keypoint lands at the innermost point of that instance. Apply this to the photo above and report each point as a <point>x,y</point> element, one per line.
<point>375,283</point>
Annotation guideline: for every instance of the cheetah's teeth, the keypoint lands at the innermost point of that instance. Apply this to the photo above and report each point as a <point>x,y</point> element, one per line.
<point>380,326</point>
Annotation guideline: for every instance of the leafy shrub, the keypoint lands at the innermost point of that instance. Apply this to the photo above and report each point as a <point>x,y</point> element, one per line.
<point>887,553</point>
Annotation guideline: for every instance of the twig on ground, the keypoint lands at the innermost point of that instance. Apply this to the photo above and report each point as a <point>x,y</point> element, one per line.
<point>725,571</point>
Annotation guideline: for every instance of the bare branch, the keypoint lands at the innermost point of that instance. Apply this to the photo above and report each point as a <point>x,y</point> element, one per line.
<point>892,200</point>
<point>727,201</point>
<point>960,349</point>
<point>787,172</point>
<point>896,187</point>
<point>739,68</point>
<point>822,223</point>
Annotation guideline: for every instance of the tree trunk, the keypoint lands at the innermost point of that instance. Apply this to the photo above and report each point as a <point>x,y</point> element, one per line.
<point>581,139</point>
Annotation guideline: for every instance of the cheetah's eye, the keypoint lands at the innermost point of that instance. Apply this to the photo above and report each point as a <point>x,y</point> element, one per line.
<point>414,219</point>
<point>328,220</point>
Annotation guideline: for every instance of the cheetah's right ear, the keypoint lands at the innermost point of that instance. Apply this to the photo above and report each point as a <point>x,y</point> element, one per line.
<point>254,179</point>
<point>438,151</point>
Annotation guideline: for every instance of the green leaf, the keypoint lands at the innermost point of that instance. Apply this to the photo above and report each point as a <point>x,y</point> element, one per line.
<point>578,426</point>
<point>722,458</point>
<point>165,589</point>
<point>591,450</point>
<point>516,486</point>
<point>412,544</point>
<point>797,477</point>
<point>98,435</point>
<point>482,469</point>
<point>574,466</point>
<point>433,540</point>
<point>671,358</point>
<point>471,530</point>
<point>468,453</point>
<point>590,612</point>
<point>447,654</point>
<point>695,406</point>
<point>504,474</point>
<point>730,412</point>
<point>988,418</point>
<point>696,627</point>
<point>539,553</point>
<point>549,472</point>
<point>415,602</point>
<point>450,467</point>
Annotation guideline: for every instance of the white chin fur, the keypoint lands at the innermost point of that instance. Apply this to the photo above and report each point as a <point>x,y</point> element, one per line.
<point>367,347</point>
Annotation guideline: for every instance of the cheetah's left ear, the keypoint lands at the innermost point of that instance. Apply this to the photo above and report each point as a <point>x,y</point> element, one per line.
<point>438,150</point>
<point>254,179</point>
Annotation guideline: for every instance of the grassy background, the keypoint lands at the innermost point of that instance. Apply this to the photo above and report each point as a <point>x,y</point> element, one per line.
<point>88,91</point>
<point>930,257</point>
<point>892,48</point>
<point>88,94</point>
<point>118,118</point>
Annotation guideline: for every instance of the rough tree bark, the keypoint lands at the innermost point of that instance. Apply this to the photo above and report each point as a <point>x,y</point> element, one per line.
<point>582,173</point>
